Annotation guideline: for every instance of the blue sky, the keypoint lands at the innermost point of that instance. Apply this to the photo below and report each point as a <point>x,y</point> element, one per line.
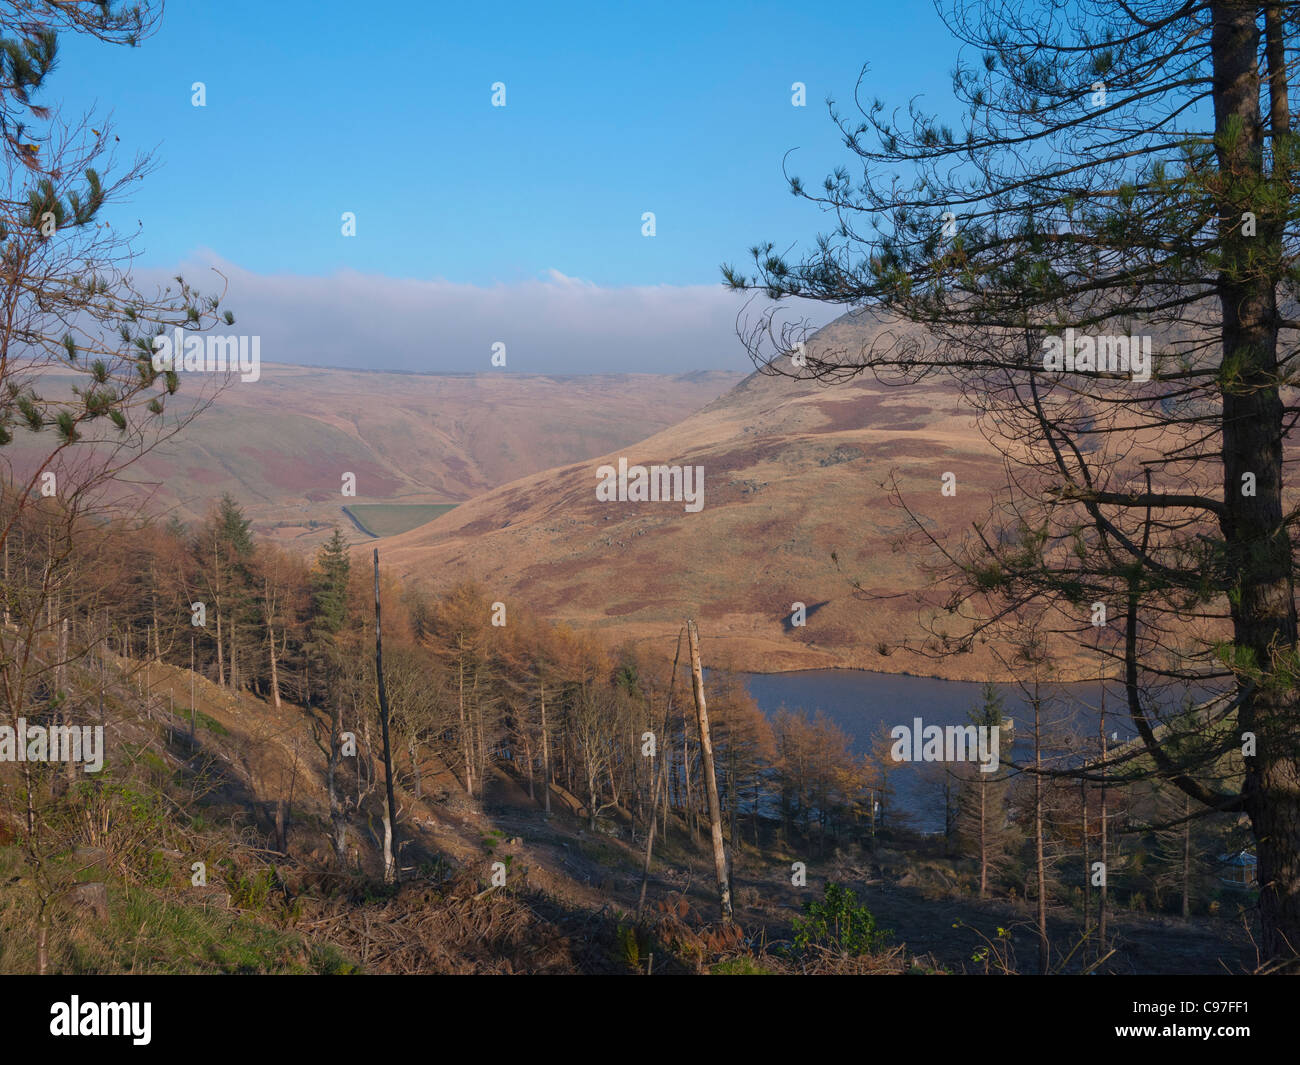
<point>611,110</point>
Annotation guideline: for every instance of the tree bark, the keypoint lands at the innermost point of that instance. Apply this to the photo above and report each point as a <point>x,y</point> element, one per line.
<point>275,673</point>
<point>546,757</point>
<point>984,847</point>
<point>658,777</point>
<point>1103,891</point>
<point>390,816</point>
<point>464,729</point>
<point>221,661</point>
<point>710,781</point>
<point>338,824</point>
<point>1087,868</point>
<point>1040,867</point>
<point>1263,603</point>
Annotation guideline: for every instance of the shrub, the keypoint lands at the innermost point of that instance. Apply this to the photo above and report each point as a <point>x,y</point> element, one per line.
<point>839,923</point>
<point>629,945</point>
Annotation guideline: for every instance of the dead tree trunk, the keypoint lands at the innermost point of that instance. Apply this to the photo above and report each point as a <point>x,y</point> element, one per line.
<point>660,770</point>
<point>221,653</point>
<point>710,781</point>
<point>692,824</point>
<point>984,839</point>
<point>338,821</point>
<point>464,729</point>
<point>1105,856</point>
<point>1040,867</point>
<point>275,665</point>
<point>546,757</point>
<point>390,814</point>
<point>528,761</point>
<point>1087,868</point>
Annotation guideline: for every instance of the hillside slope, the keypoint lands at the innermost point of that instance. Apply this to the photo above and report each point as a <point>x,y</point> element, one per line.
<point>280,445</point>
<point>274,901</point>
<point>793,471</point>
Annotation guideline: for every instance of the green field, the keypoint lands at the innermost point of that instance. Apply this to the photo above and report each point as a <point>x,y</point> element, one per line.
<point>389,519</point>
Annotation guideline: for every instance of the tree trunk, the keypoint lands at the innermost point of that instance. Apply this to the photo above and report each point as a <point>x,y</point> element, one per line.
<point>658,775</point>
<point>390,864</point>
<point>689,808</point>
<point>233,647</point>
<point>984,847</point>
<point>482,744</point>
<point>70,768</point>
<point>710,781</point>
<point>390,815</point>
<point>1040,868</point>
<point>546,757</point>
<point>464,729</point>
<point>338,824</point>
<point>275,673</point>
<point>667,798</point>
<point>221,660</point>
<point>1257,540</point>
<point>1103,892</point>
<point>1087,866</point>
<point>43,940</point>
<point>528,761</point>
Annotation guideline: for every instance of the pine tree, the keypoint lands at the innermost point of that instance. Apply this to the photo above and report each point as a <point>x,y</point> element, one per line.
<point>234,528</point>
<point>224,554</point>
<point>329,613</point>
<point>1120,172</point>
<point>330,586</point>
<point>982,797</point>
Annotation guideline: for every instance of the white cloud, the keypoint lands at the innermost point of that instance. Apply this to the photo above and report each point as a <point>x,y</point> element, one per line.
<point>556,324</point>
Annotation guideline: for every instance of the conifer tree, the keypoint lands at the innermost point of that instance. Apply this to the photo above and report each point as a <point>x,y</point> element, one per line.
<point>1117,171</point>
<point>329,613</point>
<point>982,810</point>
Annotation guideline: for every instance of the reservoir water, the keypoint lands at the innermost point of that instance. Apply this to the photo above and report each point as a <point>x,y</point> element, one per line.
<point>864,704</point>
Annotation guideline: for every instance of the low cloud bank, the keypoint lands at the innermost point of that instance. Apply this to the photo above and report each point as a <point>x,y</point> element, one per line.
<point>556,324</point>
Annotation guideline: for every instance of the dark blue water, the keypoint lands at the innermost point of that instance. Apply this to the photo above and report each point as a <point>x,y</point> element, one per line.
<point>866,705</point>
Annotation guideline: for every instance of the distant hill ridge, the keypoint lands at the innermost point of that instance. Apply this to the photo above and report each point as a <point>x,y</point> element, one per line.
<point>282,444</point>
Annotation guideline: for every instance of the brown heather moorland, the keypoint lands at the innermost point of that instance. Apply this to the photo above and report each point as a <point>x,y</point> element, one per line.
<point>279,446</point>
<point>793,471</point>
